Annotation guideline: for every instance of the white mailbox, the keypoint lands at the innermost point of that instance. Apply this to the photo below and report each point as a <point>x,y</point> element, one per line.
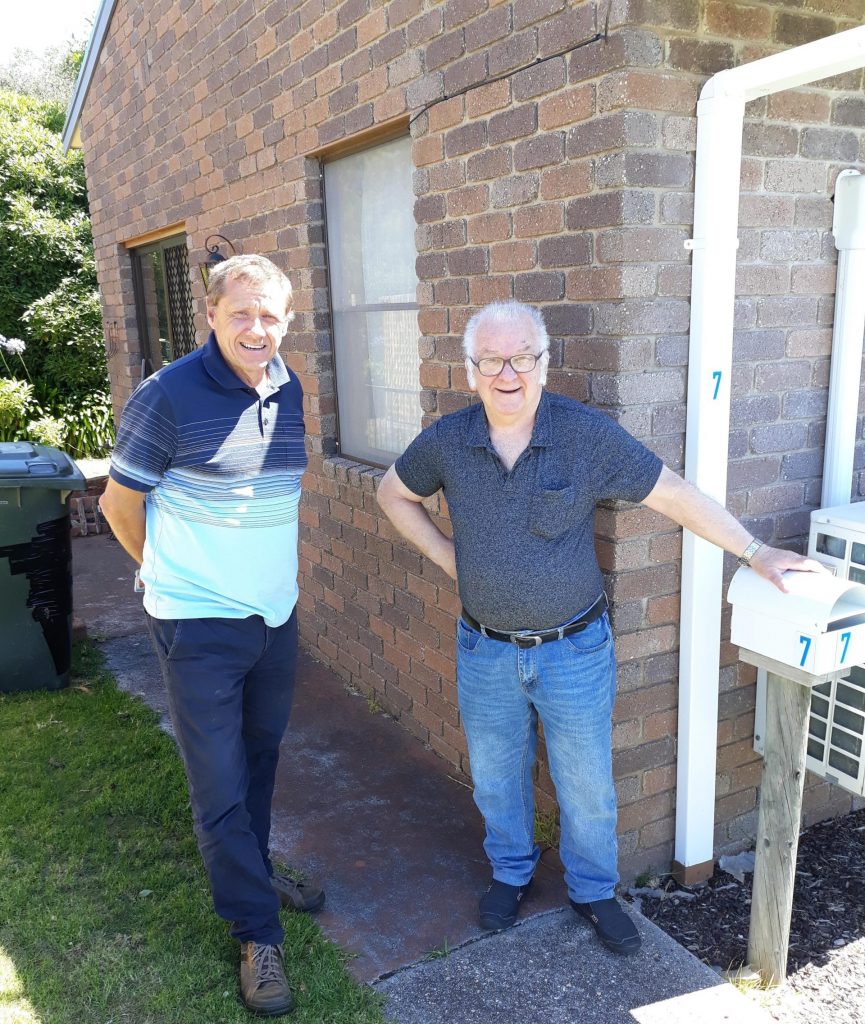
<point>818,627</point>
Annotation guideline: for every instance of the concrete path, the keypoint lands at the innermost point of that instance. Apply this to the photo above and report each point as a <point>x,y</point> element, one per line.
<point>397,842</point>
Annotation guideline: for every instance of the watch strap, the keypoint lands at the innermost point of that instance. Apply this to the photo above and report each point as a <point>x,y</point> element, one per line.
<point>749,552</point>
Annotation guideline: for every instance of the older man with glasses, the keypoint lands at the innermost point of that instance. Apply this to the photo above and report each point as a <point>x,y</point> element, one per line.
<point>522,471</point>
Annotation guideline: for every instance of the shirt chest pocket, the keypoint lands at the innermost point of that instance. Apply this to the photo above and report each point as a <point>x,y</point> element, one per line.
<point>551,512</point>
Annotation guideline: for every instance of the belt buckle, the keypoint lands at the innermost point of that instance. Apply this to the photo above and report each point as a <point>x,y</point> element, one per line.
<point>526,640</point>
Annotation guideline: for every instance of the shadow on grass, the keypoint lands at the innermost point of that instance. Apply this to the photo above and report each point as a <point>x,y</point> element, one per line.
<point>105,915</point>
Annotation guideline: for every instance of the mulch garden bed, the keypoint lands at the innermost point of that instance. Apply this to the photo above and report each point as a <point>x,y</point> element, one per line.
<point>826,962</point>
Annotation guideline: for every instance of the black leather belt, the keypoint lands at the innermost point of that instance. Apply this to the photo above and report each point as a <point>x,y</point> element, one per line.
<point>530,638</point>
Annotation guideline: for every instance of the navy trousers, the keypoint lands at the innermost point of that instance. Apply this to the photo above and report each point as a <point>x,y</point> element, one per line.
<point>230,684</point>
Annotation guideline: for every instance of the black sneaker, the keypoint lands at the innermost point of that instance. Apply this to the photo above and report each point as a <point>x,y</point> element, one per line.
<point>612,925</point>
<point>500,905</point>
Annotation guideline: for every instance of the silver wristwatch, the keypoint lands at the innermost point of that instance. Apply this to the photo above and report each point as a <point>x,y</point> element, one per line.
<point>749,552</point>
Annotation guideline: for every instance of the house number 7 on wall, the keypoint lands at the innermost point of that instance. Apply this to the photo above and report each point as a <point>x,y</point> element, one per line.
<point>806,640</point>
<point>716,377</point>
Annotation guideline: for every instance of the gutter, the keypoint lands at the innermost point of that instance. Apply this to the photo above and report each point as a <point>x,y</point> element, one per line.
<point>71,135</point>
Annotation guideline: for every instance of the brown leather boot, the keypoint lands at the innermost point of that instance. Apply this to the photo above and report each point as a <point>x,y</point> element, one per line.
<point>263,986</point>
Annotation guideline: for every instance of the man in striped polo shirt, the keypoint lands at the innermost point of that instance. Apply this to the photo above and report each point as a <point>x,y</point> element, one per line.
<point>203,493</point>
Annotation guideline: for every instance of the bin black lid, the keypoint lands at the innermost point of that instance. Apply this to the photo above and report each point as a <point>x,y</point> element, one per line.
<point>23,464</point>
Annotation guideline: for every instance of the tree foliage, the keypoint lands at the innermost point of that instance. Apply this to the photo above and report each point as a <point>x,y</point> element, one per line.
<point>48,291</point>
<point>44,227</point>
<point>49,76</point>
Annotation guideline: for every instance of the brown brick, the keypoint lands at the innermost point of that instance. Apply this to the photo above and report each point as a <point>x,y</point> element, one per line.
<point>565,251</point>
<point>644,170</point>
<point>565,107</point>
<point>609,209</point>
<point>513,52</point>
<point>644,811</point>
<point>642,244</point>
<point>372,27</point>
<point>540,219</point>
<point>465,139</point>
<point>401,11</point>
<point>539,79</point>
<point>494,25</point>
<point>612,132</point>
<point>539,152</point>
<point>799,105</point>
<point>699,56</point>
<point>466,201</point>
<point>512,124</point>
<point>487,98</point>
<point>651,91</point>
<point>491,163</point>
<point>647,756</point>
<point>492,288</point>
<point>830,144</point>
<point>429,208</point>
<point>570,179</point>
<point>444,50</point>
<point>428,150</point>
<point>468,261</point>
<point>659,780</point>
<point>795,29</point>
<point>515,190</point>
<point>422,29</point>
<point>566,29</point>
<point>388,47</point>
<point>739,21</point>
<point>489,227</point>
<point>465,73</point>
<point>512,256</point>
<point>849,110</point>
<point>539,287</point>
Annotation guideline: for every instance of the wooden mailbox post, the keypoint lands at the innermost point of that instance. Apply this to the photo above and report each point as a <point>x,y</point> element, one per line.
<point>814,633</point>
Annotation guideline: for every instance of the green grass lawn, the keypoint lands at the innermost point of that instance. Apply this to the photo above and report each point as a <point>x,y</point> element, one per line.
<point>105,916</point>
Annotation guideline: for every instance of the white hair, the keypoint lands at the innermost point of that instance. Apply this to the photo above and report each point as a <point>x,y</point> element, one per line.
<point>510,312</point>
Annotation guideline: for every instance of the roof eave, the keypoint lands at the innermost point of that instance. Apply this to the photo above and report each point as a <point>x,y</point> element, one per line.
<point>71,134</point>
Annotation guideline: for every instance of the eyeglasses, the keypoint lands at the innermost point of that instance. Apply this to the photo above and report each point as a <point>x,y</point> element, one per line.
<point>492,366</point>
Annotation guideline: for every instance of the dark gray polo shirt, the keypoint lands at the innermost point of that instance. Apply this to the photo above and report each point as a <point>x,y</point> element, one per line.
<point>524,539</point>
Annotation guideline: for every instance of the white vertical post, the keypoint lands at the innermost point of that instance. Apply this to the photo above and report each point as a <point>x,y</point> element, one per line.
<point>848,227</point>
<point>716,218</point>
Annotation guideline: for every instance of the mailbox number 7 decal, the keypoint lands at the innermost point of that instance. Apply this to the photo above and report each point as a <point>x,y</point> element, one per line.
<point>806,640</point>
<point>846,638</point>
<point>716,377</point>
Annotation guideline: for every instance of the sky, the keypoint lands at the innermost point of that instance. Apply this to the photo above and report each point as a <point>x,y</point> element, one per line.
<point>39,25</point>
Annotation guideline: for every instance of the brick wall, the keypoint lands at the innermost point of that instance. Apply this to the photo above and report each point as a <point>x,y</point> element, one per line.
<point>552,166</point>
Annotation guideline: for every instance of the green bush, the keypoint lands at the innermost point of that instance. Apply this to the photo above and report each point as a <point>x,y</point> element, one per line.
<point>83,427</point>
<point>47,430</point>
<point>17,407</point>
<point>69,324</point>
<point>44,229</point>
<point>89,424</point>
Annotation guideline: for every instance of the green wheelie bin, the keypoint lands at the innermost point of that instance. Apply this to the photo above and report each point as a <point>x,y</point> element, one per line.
<point>35,566</point>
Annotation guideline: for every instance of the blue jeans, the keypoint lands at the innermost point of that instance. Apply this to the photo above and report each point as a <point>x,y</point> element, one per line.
<point>230,685</point>
<point>570,685</point>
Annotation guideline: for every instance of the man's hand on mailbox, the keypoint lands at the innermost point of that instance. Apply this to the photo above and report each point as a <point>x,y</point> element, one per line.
<point>771,563</point>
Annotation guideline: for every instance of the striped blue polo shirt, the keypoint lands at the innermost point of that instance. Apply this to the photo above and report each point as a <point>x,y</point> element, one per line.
<point>221,465</point>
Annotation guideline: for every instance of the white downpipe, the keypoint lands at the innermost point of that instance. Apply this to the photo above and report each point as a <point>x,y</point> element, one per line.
<point>848,229</point>
<point>720,117</point>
